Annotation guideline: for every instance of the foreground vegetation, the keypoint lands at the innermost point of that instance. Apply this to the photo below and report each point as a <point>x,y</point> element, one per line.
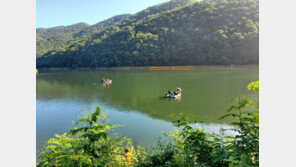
<point>91,142</point>
<point>179,32</point>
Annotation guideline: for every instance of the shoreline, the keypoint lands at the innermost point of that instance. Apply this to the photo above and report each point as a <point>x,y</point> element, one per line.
<point>157,67</point>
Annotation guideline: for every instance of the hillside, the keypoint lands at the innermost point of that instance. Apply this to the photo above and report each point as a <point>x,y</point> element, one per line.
<point>48,39</point>
<point>51,32</point>
<point>101,25</point>
<point>57,38</point>
<point>213,32</point>
<point>166,6</point>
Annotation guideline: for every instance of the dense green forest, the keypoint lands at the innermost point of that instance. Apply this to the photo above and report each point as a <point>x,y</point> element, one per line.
<point>178,32</point>
<point>55,38</point>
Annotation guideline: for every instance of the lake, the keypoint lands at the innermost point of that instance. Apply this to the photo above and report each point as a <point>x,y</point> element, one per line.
<point>136,99</point>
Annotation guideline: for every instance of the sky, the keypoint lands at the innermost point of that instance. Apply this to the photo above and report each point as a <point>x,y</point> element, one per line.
<point>51,13</point>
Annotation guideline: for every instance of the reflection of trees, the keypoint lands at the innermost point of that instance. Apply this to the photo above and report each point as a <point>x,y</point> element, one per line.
<point>207,93</point>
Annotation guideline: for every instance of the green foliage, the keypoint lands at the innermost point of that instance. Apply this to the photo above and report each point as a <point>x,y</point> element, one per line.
<point>247,141</point>
<point>179,32</point>
<point>58,38</point>
<point>43,33</point>
<point>89,144</point>
<point>254,86</point>
<point>192,147</point>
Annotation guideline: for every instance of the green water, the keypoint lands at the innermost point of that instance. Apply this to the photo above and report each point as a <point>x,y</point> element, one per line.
<point>135,98</point>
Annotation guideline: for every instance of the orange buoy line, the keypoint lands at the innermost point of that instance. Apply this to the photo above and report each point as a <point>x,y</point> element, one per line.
<point>171,67</point>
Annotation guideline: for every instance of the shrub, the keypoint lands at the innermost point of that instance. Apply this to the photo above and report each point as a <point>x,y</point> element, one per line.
<point>89,143</point>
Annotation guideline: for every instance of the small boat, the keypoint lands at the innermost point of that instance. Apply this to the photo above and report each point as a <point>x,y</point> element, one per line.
<point>174,95</point>
<point>110,81</point>
<point>106,80</point>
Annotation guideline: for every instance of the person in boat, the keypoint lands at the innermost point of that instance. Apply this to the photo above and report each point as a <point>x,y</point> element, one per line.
<point>178,91</point>
<point>172,94</point>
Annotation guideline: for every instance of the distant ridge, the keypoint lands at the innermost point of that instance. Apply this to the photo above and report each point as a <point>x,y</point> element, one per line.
<point>50,32</point>
<point>55,37</point>
<point>175,33</point>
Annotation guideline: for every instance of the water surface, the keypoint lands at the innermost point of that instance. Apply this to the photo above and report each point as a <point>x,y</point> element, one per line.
<point>135,98</point>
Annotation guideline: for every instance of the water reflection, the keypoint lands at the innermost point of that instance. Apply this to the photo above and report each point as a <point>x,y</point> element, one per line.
<point>53,116</point>
<point>206,93</point>
<point>136,98</point>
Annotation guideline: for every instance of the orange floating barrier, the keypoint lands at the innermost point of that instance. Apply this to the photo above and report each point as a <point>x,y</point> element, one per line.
<point>171,67</point>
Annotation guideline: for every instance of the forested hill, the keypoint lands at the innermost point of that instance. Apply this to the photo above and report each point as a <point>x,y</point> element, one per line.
<point>56,38</point>
<point>48,39</point>
<point>102,25</point>
<point>51,32</point>
<point>212,32</point>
